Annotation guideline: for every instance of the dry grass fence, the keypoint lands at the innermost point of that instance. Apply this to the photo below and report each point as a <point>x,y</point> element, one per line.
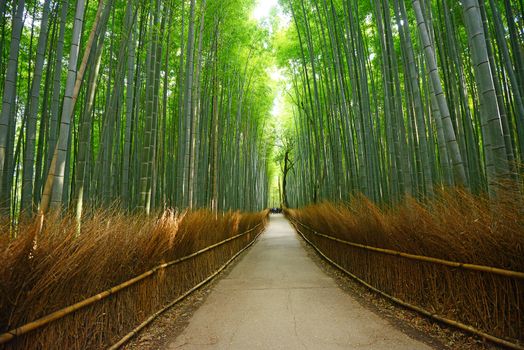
<point>42,274</point>
<point>455,226</point>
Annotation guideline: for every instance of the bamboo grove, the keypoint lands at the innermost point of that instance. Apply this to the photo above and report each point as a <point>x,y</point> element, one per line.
<point>396,97</point>
<point>146,103</point>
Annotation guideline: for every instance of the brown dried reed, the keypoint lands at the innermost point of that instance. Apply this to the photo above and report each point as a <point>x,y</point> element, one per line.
<point>454,226</point>
<point>42,273</point>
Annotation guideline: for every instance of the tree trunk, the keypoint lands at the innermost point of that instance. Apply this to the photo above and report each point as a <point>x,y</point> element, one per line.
<point>8,106</point>
<point>449,133</point>
<point>493,140</point>
<point>53,189</point>
<point>29,157</point>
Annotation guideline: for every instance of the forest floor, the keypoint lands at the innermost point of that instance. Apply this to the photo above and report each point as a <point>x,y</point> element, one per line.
<point>281,295</point>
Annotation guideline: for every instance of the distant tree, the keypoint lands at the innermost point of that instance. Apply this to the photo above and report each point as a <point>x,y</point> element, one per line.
<point>284,157</point>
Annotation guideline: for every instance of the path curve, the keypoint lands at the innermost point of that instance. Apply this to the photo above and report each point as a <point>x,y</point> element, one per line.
<point>276,297</point>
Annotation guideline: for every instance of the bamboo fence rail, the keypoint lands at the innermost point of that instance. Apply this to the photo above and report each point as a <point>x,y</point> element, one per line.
<point>36,324</point>
<point>418,309</point>
<point>473,267</point>
<point>151,318</point>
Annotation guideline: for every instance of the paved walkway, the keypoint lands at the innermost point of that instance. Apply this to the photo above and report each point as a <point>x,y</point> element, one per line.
<point>277,298</point>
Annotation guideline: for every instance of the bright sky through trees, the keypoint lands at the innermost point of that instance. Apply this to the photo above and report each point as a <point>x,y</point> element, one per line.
<point>262,12</point>
<point>280,112</point>
<point>263,7</point>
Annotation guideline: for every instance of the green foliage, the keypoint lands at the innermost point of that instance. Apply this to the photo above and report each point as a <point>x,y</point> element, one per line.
<point>231,55</point>
<point>365,119</point>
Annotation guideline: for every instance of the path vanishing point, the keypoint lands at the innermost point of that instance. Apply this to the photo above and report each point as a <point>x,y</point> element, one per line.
<point>276,297</point>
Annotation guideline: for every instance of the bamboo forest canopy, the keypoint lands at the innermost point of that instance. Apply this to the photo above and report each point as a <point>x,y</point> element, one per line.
<point>168,103</point>
<point>396,97</point>
<point>150,104</point>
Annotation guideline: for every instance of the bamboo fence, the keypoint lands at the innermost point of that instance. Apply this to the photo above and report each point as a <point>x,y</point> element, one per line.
<point>472,267</point>
<point>40,323</point>
<point>345,267</point>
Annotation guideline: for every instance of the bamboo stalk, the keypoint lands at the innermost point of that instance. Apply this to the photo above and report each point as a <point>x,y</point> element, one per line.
<point>473,267</point>
<point>420,310</point>
<point>39,323</point>
<point>151,318</point>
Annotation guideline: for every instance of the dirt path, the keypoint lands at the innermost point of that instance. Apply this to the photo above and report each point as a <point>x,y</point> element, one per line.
<point>277,298</point>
